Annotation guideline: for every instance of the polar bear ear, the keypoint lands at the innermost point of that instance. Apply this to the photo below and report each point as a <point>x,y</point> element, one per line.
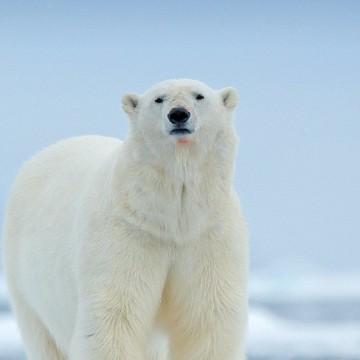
<point>130,103</point>
<point>229,97</point>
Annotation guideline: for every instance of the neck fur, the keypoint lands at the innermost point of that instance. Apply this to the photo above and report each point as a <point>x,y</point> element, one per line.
<point>175,194</point>
<point>186,163</point>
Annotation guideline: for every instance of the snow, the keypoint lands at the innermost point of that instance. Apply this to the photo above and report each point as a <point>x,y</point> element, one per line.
<point>10,341</point>
<point>270,336</point>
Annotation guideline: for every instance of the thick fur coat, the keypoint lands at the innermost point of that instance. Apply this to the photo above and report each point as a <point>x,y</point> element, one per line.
<point>108,242</point>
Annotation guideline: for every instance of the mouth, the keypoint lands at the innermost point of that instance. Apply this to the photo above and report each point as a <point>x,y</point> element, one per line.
<point>180,131</point>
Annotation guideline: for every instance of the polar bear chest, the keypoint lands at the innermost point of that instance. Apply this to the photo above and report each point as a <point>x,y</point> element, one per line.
<point>176,211</point>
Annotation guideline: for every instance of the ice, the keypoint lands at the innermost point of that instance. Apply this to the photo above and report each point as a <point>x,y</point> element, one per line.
<point>273,337</point>
<point>10,341</point>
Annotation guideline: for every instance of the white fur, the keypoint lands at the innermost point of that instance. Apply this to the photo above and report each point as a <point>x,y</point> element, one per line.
<point>106,241</point>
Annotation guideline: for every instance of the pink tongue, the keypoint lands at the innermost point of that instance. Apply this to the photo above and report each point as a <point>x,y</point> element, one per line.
<point>183,141</point>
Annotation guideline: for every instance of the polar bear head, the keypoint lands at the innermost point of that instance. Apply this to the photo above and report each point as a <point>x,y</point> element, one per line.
<point>185,115</point>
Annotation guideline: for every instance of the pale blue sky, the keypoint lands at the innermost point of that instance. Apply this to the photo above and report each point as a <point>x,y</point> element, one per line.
<point>296,65</point>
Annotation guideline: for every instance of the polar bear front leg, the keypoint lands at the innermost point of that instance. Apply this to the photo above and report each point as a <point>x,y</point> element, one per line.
<point>117,307</point>
<point>208,304</point>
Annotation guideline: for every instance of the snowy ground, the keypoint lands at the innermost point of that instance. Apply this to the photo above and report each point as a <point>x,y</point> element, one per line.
<point>312,321</point>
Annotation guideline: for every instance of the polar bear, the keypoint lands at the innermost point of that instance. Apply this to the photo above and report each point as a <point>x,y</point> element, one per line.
<point>109,242</point>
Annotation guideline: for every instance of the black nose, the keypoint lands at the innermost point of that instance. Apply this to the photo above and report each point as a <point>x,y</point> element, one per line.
<point>178,115</point>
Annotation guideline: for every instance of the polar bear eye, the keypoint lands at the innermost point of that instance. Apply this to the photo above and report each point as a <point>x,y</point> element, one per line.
<point>159,100</point>
<point>199,97</point>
